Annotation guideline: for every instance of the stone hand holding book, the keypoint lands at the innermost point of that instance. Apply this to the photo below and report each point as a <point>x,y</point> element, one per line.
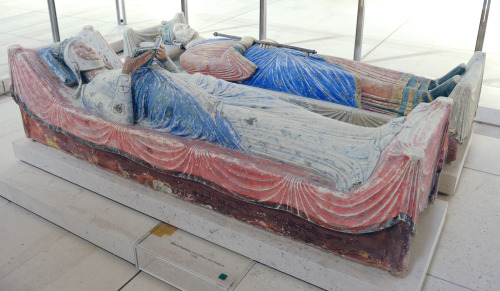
<point>146,47</point>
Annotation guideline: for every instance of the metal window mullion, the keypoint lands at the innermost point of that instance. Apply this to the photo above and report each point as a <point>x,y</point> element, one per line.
<point>358,43</point>
<point>53,20</point>
<point>482,25</point>
<point>263,19</point>
<point>119,19</point>
<point>184,8</point>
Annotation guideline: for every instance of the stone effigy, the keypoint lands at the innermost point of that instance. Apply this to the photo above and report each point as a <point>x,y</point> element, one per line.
<point>235,117</point>
<point>296,72</point>
<point>364,207</point>
<point>322,77</point>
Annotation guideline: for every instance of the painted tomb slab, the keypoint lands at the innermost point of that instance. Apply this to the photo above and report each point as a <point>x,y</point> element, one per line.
<point>357,85</point>
<point>371,222</point>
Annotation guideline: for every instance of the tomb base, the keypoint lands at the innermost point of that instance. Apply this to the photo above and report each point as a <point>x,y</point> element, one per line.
<point>307,263</point>
<point>450,175</point>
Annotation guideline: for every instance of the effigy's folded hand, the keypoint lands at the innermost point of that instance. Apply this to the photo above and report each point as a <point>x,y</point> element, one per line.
<point>131,65</point>
<point>266,45</point>
<point>161,54</point>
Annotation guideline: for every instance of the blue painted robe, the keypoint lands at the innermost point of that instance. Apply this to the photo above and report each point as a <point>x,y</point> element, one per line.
<point>291,72</point>
<point>279,69</point>
<point>256,122</point>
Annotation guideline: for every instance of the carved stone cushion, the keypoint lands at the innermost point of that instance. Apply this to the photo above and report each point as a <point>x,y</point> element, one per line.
<point>58,68</point>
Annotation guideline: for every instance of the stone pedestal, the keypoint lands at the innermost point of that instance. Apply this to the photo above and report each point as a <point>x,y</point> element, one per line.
<point>450,175</point>
<point>307,263</point>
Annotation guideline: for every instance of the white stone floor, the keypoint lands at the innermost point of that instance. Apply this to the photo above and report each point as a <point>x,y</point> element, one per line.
<point>423,37</point>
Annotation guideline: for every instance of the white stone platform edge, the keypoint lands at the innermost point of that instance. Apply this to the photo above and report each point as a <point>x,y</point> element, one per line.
<point>450,175</point>
<point>89,231</point>
<point>307,263</point>
<point>5,86</point>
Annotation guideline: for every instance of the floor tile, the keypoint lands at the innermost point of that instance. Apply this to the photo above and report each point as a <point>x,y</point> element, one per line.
<point>442,27</point>
<point>27,4</point>
<point>109,225</point>
<point>70,264</point>
<point>299,24</point>
<point>445,39</point>
<point>492,70</point>
<point>30,19</point>
<point>487,130</point>
<point>8,12</point>
<point>261,277</point>
<point>59,195</point>
<point>398,56</point>
<point>200,13</point>
<point>219,7</point>
<point>8,109</point>
<point>23,235</point>
<point>488,115</point>
<point>467,253</point>
<point>3,202</point>
<point>490,97</point>
<point>6,85</point>
<point>145,282</point>
<point>90,8</point>
<point>7,39</point>
<point>140,14</point>
<point>102,13</point>
<point>384,18</point>
<point>235,26</point>
<point>419,59</point>
<point>12,128</point>
<point>109,30</point>
<point>111,218</point>
<point>484,155</point>
<point>41,32</point>
<point>435,284</point>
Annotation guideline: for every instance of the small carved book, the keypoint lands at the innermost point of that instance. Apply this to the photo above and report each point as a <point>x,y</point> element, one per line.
<point>145,47</point>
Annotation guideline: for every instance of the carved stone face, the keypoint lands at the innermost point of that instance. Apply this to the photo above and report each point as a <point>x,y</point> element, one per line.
<point>183,33</point>
<point>81,57</point>
<point>85,51</point>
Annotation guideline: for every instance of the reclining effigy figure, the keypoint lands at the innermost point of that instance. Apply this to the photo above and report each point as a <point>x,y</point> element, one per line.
<point>241,151</point>
<point>325,78</point>
<point>230,115</point>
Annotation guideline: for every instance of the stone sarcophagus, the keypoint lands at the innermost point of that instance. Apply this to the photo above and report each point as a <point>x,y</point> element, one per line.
<point>388,92</point>
<point>371,221</point>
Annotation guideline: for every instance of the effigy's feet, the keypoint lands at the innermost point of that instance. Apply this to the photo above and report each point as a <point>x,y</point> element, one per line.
<point>458,70</point>
<point>442,90</point>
